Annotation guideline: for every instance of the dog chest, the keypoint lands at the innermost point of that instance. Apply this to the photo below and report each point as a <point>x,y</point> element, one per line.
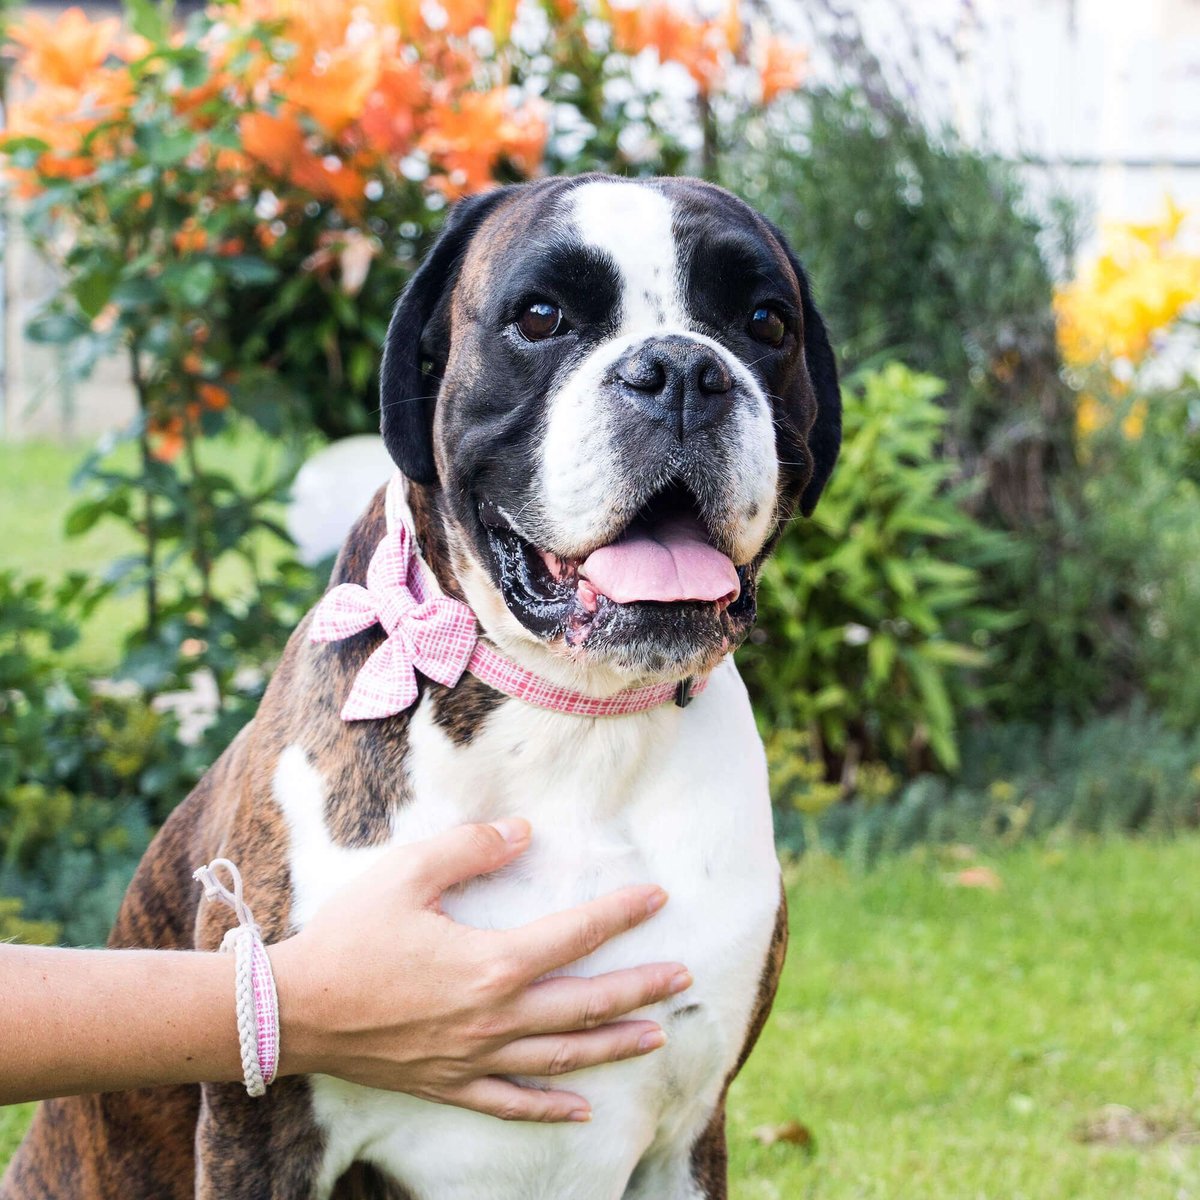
<point>673,797</point>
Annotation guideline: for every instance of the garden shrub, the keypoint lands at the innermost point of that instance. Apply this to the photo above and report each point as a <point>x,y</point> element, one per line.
<point>872,622</point>
<point>1120,603</point>
<point>924,249</point>
<point>1127,773</point>
<point>85,776</point>
<point>234,201</point>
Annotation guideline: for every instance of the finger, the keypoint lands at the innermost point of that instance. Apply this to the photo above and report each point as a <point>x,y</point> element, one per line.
<point>462,853</point>
<point>565,937</point>
<point>500,1098</point>
<point>558,1054</point>
<point>568,1003</point>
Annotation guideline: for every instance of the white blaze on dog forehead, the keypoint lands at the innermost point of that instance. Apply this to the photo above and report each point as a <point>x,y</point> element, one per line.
<point>633,223</point>
<point>580,464</point>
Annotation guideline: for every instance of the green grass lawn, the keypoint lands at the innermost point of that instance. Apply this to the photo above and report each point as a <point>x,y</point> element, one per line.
<point>944,1043</point>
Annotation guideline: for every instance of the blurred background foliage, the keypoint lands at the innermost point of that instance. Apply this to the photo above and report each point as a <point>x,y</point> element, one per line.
<point>978,637</point>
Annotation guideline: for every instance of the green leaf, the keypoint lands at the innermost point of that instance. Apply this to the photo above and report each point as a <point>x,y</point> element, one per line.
<point>165,147</point>
<point>881,655</point>
<point>83,516</point>
<point>953,654</point>
<point>55,329</point>
<point>150,19</point>
<point>135,293</point>
<point>900,576</point>
<point>245,270</point>
<point>23,146</point>
<point>93,289</point>
<point>190,283</point>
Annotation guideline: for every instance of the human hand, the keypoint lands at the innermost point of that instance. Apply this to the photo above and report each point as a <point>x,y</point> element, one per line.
<point>383,989</point>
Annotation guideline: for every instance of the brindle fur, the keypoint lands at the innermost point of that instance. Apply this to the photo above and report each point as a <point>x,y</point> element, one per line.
<point>213,1142</point>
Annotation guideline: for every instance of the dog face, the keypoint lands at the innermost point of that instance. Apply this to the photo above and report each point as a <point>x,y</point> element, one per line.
<point>623,391</point>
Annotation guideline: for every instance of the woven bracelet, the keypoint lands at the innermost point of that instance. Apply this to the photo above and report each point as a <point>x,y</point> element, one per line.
<point>256,998</point>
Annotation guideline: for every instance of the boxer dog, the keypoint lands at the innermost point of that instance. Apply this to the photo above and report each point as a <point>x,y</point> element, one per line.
<point>607,397</point>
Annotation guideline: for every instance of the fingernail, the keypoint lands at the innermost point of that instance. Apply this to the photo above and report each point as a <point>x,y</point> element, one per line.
<point>580,1114</point>
<point>681,982</point>
<point>652,1040</point>
<point>512,829</point>
<point>655,901</point>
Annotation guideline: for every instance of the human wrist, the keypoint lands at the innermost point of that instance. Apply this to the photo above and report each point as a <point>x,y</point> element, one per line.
<point>303,1010</point>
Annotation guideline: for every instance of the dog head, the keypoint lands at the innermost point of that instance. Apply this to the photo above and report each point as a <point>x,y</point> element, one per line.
<point>621,390</point>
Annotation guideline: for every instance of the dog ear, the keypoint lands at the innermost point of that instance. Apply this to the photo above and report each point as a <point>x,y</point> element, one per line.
<point>825,437</point>
<point>414,353</point>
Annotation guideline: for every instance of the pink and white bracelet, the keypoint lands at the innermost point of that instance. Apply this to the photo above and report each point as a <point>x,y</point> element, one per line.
<point>257,1000</point>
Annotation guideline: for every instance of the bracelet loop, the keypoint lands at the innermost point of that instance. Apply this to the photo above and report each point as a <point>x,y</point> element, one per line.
<point>256,998</point>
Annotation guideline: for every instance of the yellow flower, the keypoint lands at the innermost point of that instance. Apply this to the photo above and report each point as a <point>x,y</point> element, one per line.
<point>1137,288</point>
<point>1133,424</point>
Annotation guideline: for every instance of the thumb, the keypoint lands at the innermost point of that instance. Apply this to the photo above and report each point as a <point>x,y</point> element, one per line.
<point>464,852</point>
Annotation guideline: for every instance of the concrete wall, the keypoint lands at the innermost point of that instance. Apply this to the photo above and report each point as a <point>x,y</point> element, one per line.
<point>37,397</point>
<point>1103,95</point>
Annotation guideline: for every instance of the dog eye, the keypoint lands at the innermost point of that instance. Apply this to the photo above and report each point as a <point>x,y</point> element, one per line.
<point>767,326</point>
<point>539,321</point>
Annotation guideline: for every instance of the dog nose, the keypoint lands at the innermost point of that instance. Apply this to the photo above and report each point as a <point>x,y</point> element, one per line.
<point>677,381</point>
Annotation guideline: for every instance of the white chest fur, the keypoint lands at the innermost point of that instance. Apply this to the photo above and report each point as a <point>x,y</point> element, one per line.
<point>674,797</point>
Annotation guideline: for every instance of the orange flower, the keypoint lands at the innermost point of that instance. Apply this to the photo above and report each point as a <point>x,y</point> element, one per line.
<point>783,67</point>
<point>196,99</point>
<point>190,238</point>
<point>278,143</point>
<point>166,438</point>
<point>274,140</point>
<point>315,26</point>
<point>329,179</point>
<point>213,397</point>
<point>700,46</point>
<point>64,52</point>
<point>389,120</point>
<point>62,118</point>
<point>133,47</point>
<point>465,15</point>
<point>334,90</point>
<point>730,25</point>
<point>468,141</point>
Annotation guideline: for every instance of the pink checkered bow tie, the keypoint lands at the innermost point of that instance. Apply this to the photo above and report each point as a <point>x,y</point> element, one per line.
<point>430,633</point>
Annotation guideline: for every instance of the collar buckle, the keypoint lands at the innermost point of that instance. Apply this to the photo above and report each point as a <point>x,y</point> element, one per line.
<point>683,691</point>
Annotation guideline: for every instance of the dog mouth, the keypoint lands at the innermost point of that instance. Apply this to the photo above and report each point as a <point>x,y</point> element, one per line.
<point>664,561</point>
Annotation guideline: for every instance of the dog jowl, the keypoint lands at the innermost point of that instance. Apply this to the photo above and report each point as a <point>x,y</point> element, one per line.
<point>607,398</point>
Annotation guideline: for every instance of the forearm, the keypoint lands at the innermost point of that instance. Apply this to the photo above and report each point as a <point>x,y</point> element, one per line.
<point>76,1021</point>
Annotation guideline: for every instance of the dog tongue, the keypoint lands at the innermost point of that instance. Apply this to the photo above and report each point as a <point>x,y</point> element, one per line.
<point>669,560</point>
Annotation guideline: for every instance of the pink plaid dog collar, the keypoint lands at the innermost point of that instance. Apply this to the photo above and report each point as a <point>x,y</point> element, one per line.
<point>433,633</point>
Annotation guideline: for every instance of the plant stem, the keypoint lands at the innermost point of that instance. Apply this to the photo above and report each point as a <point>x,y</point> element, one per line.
<point>150,556</point>
<point>200,553</point>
